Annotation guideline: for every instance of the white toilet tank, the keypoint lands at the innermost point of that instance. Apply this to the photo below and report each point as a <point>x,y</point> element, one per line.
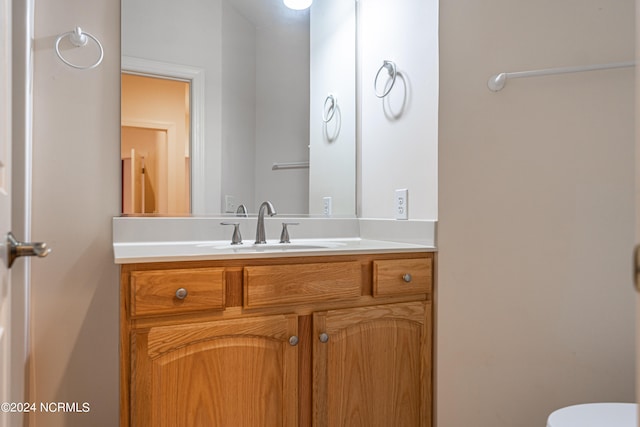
<point>595,415</point>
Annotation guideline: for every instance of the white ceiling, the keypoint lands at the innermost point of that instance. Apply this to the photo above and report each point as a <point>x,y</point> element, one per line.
<point>265,13</point>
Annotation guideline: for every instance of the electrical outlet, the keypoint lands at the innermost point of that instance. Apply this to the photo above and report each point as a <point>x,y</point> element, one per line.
<point>326,206</point>
<point>401,204</point>
<point>229,204</point>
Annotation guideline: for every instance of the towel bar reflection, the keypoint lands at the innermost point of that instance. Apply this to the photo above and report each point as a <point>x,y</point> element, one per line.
<point>290,165</point>
<point>498,81</point>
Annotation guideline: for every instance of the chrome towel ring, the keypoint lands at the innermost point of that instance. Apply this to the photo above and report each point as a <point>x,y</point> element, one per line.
<point>79,38</point>
<point>390,66</point>
<point>328,113</point>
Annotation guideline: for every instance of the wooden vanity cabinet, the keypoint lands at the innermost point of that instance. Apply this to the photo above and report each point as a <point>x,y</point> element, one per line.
<point>238,372</point>
<point>370,366</point>
<point>300,341</point>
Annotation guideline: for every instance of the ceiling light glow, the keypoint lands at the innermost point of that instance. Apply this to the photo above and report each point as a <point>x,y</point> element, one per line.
<point>298,4</point>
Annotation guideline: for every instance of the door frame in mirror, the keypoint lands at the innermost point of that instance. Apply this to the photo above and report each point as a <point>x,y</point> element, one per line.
<point>195,76</point>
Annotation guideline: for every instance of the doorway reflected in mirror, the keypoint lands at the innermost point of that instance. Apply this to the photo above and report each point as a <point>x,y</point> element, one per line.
<point>155,145</point>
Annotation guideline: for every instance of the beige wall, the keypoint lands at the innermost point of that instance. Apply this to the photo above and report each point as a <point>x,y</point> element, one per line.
<point>76,177</point>
<point>536,220</point>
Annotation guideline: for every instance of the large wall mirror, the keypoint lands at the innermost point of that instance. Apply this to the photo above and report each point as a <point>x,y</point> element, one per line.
<point>234,102</point>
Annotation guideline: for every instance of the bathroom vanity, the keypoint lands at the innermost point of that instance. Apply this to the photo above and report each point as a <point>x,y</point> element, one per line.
<point>298,338</point>
<point>313,333</point>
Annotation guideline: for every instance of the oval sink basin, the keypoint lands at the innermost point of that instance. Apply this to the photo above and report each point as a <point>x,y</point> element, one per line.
<point>276,247</point>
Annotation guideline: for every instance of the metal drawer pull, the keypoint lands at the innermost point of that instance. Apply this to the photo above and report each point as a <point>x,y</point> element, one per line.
<point>406,277</point>
<point>324,337</point>
<point>293,340</point>
<point>181,293</point>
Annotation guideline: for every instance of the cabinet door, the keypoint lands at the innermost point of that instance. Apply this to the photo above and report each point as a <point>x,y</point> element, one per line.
<point>374,368</point>
<point>241,372</point>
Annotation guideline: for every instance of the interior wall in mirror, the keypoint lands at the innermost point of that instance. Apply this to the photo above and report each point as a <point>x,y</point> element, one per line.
<point>399,140</point>
<point>265,99</point>
<point>267,75</point>
<point>333,107</point>
<point>184,33</point>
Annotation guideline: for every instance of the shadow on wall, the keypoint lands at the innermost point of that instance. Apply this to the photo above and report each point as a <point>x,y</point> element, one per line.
<point>87,388</point>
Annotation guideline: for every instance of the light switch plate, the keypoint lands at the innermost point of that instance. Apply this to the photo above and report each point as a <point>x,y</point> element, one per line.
<point>401,203</point>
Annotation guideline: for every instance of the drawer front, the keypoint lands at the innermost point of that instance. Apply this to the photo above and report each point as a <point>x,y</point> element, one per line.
<point>267,286</point>
<point>402,277</point>
<point>159,291</point>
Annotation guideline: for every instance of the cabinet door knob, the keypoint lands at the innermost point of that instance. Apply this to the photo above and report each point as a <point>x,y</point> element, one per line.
<point>323,337</point>
<point>181,293</point>
<point>406,277</point>
<point>293,340</point>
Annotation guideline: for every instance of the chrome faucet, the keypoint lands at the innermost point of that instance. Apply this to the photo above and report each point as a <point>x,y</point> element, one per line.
<point>271,211</point>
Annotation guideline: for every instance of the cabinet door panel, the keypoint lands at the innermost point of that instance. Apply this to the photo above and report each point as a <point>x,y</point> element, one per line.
<point>226,373</point>
<point>375,368</point>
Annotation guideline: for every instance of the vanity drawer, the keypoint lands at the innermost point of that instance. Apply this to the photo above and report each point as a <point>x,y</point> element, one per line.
<point>402,277</point>
<point>276,285</point>
<point>163,291</point>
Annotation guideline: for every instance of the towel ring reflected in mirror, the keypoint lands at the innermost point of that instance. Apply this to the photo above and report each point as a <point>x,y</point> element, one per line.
<point>329,112</point>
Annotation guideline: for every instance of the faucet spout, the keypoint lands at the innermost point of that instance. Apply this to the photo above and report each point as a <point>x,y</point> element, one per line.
<point>271,211</point>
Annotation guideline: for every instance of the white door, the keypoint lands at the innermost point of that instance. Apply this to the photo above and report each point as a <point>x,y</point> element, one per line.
<point>637,254</point>
<point>5,203</point>
<point>14,127</point>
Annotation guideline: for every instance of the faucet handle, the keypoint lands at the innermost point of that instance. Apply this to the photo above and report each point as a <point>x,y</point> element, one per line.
<point>242,210</point>
<point>236,239</point>
<point>284,236</point>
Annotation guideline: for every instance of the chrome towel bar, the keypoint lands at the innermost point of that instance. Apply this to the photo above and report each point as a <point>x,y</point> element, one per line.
<point>498,81</point>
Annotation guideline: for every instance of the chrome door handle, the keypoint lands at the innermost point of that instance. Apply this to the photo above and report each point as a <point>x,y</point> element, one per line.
<point>17,249</point>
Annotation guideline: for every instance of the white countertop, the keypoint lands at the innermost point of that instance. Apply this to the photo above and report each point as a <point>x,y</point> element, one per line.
<point>137,252</point>
<point>138,240</point>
